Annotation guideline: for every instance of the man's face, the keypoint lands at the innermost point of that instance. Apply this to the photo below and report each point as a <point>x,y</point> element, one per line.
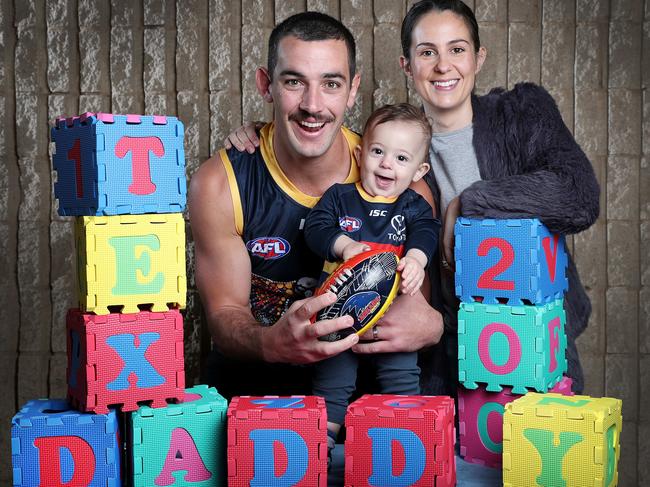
<point>311,90</point>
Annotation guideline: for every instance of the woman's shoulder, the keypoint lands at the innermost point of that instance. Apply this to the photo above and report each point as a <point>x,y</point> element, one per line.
<point>522,95</point>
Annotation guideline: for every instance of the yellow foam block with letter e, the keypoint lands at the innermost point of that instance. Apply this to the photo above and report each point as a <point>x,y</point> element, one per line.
<point>131,262</point>
<point>555,440</point>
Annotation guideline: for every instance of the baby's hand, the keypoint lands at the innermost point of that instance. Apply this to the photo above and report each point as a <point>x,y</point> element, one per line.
<point>412,275</point>
<point>354,248</point>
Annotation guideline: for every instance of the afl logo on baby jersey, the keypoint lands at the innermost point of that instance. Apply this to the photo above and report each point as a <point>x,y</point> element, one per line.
<point>349,224</point>
<point>268,248</point>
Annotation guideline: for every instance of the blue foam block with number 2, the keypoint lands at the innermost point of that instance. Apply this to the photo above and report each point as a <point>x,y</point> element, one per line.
<point>509,261</point>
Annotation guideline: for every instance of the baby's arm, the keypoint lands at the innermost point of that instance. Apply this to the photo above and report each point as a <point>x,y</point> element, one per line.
<point>412,268</point>
<point>345,248</point>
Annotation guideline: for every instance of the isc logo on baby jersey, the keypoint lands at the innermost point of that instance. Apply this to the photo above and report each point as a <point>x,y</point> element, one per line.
<point>268,247</point>
<point>349,224</point>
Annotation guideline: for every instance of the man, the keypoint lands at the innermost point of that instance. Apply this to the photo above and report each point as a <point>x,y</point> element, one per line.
<point>253,268</point>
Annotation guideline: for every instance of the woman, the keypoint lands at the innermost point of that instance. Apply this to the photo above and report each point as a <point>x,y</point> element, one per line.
<point>507,154</point>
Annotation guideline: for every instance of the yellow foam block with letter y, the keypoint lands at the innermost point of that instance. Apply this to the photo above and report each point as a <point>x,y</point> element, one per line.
<point>555,440</point>
<point>130,260</point>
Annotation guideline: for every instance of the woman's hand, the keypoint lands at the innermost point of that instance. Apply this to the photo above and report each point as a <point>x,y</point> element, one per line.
<point>453,212</point>
<point>244,137</point>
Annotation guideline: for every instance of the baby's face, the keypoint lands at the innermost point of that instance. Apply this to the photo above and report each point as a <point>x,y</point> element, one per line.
<point>392,156</point>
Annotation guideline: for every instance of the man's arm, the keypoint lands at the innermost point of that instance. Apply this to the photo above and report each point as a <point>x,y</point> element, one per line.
<point>223,277</point>
<point>410,323</point>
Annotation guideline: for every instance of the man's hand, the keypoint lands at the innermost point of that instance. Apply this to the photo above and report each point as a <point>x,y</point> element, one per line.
<point>409,325</point>
<point>294,338</point>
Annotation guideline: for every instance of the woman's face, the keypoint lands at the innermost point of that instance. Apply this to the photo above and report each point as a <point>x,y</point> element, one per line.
<point>443,67</point>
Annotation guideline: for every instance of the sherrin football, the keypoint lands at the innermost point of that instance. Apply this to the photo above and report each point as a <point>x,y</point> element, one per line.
<point>365,286</point>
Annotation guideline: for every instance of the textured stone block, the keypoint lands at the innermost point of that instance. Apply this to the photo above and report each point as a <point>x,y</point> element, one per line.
<point>388,12</point>
<point>9,190</point>
<point>255,35</point>
<point>154,76</point>
<point>34,286</point>
<point>645,253</point>
<point>94,54</point>
<point>196,338</point>
<point>627,10</point>
<point>494,36</point>
<point>558,45</point>
<point>623,188</point>
<point>590,253</point>
<point>31,117</point>
<point>644,316</point>
<point>190,109</point>
<point>63,278</point>
<point>621,381</point>
<point>157,103</point>
<point>61,60</point>
<point>34,184</point>
<point>33,369</point>
<point>622,253</point>
<point>9,304</point>
<point>154,12</point>
<point>592,340</point>
<point>622,325</point>
<point>591,121</point>
<point>224,115</point>
<point>524,11</point>
<point>330,7</point>
<point>57,384</point>
<point>624,48</point>
<point>628,474</point>
<point>644,382</point>
<point>592,10</point>
<point>30,59</point>
<point>523,53</point>
<point>643,451</point>
<point>191,37</point>
<point>125,13</point>
<point>126,63</point>
<point>624,121</point>
<point>224,55</point>
<point>559,11</point>
<point>94,103</point>
<point>390,83</point>
<point>288,8</point>
<point>591,56</point>
<point>594,370</point>
<point>7,409</point>
<point>491,11</point>
<point>93,12</point>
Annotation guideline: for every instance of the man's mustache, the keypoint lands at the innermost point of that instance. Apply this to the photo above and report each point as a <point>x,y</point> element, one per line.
<point>304,115</point>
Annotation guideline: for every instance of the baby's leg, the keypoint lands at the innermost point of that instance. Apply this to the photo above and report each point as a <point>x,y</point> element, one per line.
<point>398,373</point>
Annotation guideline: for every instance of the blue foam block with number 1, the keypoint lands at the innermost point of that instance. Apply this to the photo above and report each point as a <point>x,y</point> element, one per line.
<point>117,164</point>
<point>509,262</point>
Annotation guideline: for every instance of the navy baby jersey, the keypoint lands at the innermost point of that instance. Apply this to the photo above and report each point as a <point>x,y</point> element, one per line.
<point>269,215</point>
<point>396,224</point>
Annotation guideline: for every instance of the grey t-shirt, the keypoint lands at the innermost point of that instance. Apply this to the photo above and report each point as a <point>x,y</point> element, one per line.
<point>454,164</point>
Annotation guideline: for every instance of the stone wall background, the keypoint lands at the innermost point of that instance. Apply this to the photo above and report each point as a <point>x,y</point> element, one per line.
<point>196,59</point>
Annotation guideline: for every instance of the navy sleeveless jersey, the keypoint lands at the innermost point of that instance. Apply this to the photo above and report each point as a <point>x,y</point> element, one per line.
<point>269,215</point>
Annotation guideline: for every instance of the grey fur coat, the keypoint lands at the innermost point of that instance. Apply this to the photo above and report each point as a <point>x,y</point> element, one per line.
<point>531,167</point>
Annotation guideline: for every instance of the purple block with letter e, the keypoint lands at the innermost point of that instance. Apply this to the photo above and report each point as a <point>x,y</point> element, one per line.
<point>117,164</point>
<point>509,262</point>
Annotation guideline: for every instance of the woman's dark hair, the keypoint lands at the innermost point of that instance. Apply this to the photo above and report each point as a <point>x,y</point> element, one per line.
<point>311,26</point>
<point>423,7</point>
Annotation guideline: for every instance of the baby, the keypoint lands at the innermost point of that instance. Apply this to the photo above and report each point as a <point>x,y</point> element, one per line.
<point>379,212</point>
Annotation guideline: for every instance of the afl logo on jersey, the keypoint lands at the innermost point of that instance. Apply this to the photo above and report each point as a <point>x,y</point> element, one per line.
<point>268,248</point>
<point>349,224</point>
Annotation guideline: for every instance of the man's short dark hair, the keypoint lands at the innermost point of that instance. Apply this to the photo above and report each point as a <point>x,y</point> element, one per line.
<point>311,26</point>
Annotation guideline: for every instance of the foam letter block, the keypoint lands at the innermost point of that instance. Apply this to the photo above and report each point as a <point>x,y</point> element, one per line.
<point>518,346</point>
<point>184,442</point>
<point>116,164</point>
<point>54,445</point>
<point>130,260</point>
<point>549,439</point>
<point>481,422</point>
<point>278,441</point>
<point>123,359</point>
<point>400,440</point>
<point>509,261</point>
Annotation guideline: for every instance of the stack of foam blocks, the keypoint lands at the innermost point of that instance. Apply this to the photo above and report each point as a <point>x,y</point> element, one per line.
<point>123,178</point>
<point>510,278</point>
